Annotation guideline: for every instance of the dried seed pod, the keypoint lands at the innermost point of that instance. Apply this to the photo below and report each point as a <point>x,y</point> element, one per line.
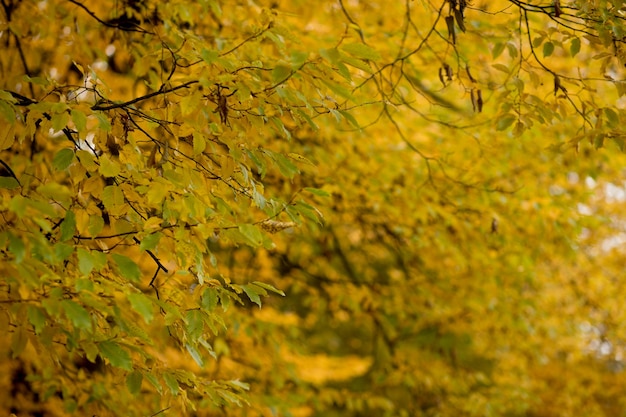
<point>459,19</point>
<point>479,100</point>
<point>451,31</point>
<point>473,97</point>
<point>558,86</point>
<point>448,70</point>
<point>469,75</point>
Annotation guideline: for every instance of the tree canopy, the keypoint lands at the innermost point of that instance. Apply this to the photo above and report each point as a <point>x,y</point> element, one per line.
<point>286,208</point>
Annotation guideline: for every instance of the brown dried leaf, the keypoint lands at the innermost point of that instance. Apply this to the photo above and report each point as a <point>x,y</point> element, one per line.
<point>459,19</point>
<point>451,31</point>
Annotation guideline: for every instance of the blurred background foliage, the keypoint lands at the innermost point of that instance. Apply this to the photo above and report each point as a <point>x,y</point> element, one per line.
<point>347,209</point>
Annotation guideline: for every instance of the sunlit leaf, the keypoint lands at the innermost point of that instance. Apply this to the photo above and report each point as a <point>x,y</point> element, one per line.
<point>68,226</point>
<point>360,50</point>
<point>252,233</point>
<point>37,318</point>
<point>505,121</point>
<point>127,267</point>
<point>548,48</point>
<point>194,354</point>
<point>77,314</point>
<point>252,294</point>
<point>143,305</point>
<point>574,46</point>
<point>171,382</point>
<point>63,159</point>
<point>133,382</point>
<point>115,354</point>
<point>269,287</point>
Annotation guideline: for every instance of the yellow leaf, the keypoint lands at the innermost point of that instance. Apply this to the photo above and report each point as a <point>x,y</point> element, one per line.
<point>7,138</point>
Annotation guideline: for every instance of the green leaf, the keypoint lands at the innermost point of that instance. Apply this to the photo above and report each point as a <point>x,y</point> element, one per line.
<point>62,251</point>
<point>133,382</point>
<point>171,382</point>
<point>574,46</point>
<point>96,224</point>
<point>36,317</point>
<point>115,354</point>
<point>56,191</point>
<point>194,354</point>
<point>103,121</point>
<point>497,49</point>
<point>548,48</point>
<point>142,305</point>
<point>317,192</point>
<point>209,299</point>
<point>79,119</point>
<point>538,41</point>
<point>86,261</point>
<point>612,117</point>
<point>230,397</point>
<point>240,385</point>
<point>127,267</point>
<point>149,242</point>
<point>77,314</point>
<point>269,287</point>
<point>252,233</point>
<point>84,284</point>
<point>350,118</point>
<point>338,89</point>
<point>19,340</point>
<point>63,159</point>
<point>360,50</point>
<point>331,55</point>
<point>286,167</point>
<point>60,120</point>
<point>194,321</point>
<point>7,110</point>
<point>252,294</point>
<point>208,56</point>
<point>501,67</point>
<point>280,73</point>
<point>505,121</point>
<point>68,227</point>
<point>9,183</point>
<point>152,379</point>
<point>298,59</point>
<point>17,248</point>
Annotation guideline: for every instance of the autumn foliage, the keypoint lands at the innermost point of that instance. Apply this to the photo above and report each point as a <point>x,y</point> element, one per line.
<point>287,208</point>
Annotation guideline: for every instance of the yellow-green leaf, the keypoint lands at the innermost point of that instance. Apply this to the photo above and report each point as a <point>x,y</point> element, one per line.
<point>127,267</point>
<point>142,304</point>
<point>109,167</point>
<point>115,354</point>
<point>63,159</point>
<point>360,50</point>
<point>79,317</point>
<point>548,48</point>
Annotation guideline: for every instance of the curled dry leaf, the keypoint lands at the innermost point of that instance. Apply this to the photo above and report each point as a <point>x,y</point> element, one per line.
<point>275,226</point>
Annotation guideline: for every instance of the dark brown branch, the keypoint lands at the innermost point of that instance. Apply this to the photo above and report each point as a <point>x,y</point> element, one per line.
<point>248,39</point>
<point>119,26</point>
<point>111,106</point>
<point>153,256</point>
